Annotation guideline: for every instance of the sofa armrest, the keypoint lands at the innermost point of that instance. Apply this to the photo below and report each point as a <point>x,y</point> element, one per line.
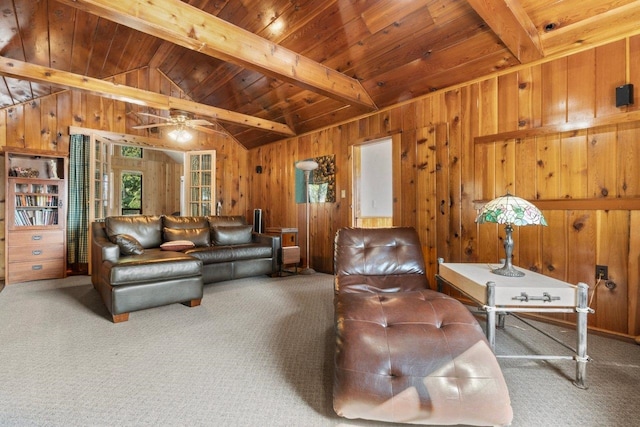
<point>273,242</point>
<point>102,249</point>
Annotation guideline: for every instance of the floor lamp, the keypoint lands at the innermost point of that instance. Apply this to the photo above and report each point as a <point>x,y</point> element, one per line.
<point>307,166</point>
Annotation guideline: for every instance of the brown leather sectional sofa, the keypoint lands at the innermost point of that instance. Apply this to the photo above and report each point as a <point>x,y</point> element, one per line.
<point>406,353</point>
<point>146,261</point>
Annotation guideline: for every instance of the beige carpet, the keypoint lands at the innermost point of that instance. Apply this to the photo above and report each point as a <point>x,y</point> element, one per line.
<point>257,352</point>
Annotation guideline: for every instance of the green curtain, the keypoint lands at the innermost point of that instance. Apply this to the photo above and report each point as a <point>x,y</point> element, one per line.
<point>78,206</point>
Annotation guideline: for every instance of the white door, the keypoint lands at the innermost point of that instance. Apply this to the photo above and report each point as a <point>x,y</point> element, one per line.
<point>373,184</point>
<point>100,173</point>
<point>200,183</point>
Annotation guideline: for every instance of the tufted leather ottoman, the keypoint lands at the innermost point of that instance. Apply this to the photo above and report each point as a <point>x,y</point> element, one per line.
<point>407,355</point>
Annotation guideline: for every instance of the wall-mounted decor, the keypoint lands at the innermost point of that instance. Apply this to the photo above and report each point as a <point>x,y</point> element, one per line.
<point>322,181</point>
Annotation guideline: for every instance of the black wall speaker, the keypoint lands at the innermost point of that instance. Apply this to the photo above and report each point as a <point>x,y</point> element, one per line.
<point>258,169</point>
<point>624,95</point>
<point>257,220</point>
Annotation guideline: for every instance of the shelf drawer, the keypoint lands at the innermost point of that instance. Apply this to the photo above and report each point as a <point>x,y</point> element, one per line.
<point>27,271</point>
<point>35,237</point>
<point>35,253</point>
<point>290,255</point>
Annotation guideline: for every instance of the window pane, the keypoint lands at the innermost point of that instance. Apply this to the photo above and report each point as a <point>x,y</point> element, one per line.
<point>195,163</point>
<point>131,193</point>
<point>206,178</point>
<point>206,162</point>
<point>135,152</point>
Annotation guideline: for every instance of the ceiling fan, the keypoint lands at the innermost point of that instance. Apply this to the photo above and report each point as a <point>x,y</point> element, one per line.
<point>182,120</point>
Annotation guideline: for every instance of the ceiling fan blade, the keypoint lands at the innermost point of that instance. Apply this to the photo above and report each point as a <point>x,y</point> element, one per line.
<point>155,115</point>
<point>209,130</point>
<point>153,125</point>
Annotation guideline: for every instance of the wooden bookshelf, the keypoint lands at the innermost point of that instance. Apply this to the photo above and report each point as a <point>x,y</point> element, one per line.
<point>35,216</point>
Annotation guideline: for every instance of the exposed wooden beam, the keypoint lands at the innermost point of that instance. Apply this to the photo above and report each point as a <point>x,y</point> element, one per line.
<point>140,141</point>
<point>512,25</point>
<point>190,27</point>
<point>36,73</point>
<point>600,28</point>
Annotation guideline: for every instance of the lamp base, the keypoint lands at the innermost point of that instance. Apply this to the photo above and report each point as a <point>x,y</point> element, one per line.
<point>508,270</point>
<point>307,270</point>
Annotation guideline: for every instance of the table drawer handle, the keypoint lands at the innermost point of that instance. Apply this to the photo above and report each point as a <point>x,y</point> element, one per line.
<point>36,267</point>
<point>546,297</point>
<point>36,237</point>
<point>36,252</point>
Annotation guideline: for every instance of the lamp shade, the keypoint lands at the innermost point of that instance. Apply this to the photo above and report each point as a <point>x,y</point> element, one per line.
<point>510,210</point>
<point>307,165</point>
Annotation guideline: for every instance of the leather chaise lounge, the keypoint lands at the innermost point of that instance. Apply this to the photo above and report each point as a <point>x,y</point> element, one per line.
<point>406,353</point>
<point>146,261</point>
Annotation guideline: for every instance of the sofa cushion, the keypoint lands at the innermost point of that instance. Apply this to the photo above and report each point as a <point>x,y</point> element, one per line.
<point>182,222</point>
<point>152,266</point>
<point>212,254</point>
<point>128,244</point>
<point>199,236</point>
<point>223,220</point>
<point>177,245</point>
<point>231,234</point>
<point>146,229</point>
<point>242,252</point>
<point>219,254</point>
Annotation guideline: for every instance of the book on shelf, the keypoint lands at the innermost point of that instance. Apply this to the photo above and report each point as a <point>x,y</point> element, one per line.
<point>26,218</point>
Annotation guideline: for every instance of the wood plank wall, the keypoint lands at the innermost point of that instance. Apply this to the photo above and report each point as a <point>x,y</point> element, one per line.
<point>586,181</point>
<point>43,124</point>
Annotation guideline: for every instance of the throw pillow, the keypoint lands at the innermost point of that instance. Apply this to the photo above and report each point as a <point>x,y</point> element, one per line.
<point>177,245</point>
<point>199,236</point>
<point>128,244</point>
<point>232,234</point>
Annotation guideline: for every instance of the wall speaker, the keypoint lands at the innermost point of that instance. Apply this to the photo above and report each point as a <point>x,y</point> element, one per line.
<point>257,220</point>
<point>258,169</point>
<point>624,95</point>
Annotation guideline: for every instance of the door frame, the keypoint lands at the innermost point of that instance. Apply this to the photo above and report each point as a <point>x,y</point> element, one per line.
<point>356,183</point>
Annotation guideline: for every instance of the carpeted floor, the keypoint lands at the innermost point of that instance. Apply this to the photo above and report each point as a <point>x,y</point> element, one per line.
<point>257,352</point>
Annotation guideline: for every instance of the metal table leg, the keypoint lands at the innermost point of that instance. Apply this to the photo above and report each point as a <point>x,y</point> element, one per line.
<point>490,308</point>
<point>581,355</point>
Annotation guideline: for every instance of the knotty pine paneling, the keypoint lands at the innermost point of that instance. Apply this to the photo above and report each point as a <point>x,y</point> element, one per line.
<point>595,163</point>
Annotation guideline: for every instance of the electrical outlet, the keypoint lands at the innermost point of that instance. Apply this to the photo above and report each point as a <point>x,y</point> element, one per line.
<point>602,272</point>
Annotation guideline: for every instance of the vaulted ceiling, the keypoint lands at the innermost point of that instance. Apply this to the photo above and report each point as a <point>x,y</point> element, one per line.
<point>266,69</point>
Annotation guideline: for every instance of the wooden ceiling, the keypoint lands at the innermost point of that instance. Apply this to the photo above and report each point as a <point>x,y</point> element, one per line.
<point>271,68</point>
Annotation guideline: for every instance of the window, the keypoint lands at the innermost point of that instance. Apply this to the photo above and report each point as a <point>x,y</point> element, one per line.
<point>128,151</point>
<point>131,193</point>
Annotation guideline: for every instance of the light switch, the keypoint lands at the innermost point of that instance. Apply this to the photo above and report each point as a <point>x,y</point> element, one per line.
<point>343,193</point>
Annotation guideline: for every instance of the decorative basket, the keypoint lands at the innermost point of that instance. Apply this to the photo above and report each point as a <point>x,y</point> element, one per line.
<point>25,172</point>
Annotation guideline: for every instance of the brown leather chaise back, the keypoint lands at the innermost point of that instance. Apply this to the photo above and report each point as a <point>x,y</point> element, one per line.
<point>404,352</point>
<point>378,260</point>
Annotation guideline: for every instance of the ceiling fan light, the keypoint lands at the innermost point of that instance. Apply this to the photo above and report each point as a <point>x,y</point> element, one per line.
<point>180,135</point>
